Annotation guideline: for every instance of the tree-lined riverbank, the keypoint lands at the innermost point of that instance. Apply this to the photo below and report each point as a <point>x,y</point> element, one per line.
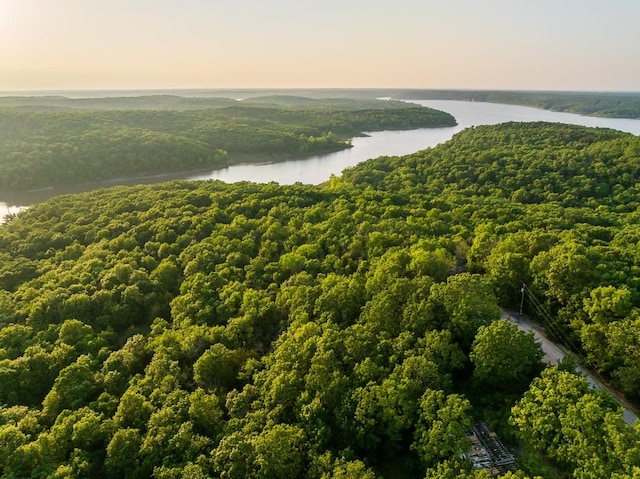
<point>40,149</point>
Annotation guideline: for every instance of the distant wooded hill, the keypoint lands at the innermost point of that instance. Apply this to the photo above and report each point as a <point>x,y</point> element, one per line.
<point>608,105</point>
<point>604,104</point>
<point>54,141</point>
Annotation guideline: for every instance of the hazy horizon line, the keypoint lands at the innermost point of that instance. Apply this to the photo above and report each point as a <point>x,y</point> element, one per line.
<point>39,92</point>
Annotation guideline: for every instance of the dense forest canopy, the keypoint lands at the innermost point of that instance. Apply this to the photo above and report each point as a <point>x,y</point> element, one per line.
<point>56,142</point>
<point>348,330</point>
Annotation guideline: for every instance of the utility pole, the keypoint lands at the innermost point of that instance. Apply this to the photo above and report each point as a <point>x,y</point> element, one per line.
<point>521,299</point>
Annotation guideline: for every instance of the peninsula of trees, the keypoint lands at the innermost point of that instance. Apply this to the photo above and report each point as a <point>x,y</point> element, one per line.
<point>348,330</point>
<point>55,141</point>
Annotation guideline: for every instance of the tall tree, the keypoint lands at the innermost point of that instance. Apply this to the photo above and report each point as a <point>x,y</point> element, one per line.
<point>505,358</point>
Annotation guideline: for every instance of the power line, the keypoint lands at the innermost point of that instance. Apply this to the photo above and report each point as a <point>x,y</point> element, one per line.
<point>557,330</point>
<point>594,377</point>
<point>554,326</point>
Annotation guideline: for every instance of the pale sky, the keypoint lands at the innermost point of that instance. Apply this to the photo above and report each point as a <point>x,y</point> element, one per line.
<point>455,44</point>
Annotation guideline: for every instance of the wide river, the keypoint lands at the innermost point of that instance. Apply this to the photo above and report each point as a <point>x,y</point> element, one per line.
<point>317,169</point>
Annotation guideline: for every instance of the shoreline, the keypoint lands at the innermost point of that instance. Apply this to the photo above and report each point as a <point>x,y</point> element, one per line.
<point>16,199</point>
<point>467,114</point>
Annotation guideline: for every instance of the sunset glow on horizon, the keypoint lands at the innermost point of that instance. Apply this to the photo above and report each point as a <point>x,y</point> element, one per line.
<point>165,44</point>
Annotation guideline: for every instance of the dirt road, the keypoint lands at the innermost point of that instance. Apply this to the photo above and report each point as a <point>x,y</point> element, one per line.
<point>554,354</point>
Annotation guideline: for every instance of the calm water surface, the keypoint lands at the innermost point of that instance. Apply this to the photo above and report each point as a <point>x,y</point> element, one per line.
<point>317,169</point>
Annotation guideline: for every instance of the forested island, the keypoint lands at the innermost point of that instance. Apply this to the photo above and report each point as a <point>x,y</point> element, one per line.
<point>348,330</point>
<point>56,141</point>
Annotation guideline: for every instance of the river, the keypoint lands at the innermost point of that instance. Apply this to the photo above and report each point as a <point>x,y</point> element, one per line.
<point>317,169</point>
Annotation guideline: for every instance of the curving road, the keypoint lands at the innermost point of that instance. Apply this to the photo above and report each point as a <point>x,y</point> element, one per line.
<point>554,354</point>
